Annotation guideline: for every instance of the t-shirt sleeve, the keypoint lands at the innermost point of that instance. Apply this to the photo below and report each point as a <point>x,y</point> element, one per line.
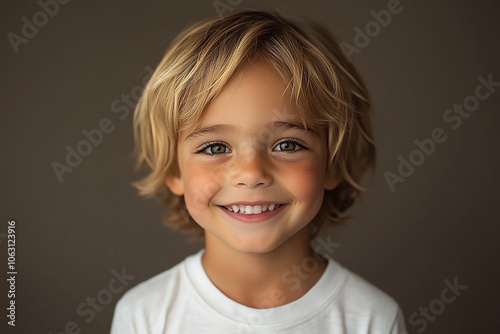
<point>122,319</point>
<point>399,325</point>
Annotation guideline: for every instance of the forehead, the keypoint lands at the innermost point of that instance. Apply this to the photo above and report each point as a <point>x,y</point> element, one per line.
<point>254,96</point>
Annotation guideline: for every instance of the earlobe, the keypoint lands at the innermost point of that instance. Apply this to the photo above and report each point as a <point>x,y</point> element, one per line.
<point>175,184</point>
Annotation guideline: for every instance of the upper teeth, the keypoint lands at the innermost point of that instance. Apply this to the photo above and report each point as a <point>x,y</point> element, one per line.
<point>252,209</point>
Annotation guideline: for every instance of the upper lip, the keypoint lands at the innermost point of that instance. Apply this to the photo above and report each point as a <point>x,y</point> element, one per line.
<point>253,203</point>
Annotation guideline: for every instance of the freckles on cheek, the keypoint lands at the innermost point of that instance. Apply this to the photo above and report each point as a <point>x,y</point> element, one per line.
<point>201,186</point>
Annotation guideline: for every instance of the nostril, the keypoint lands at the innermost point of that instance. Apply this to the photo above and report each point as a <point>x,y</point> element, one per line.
<point>251,173</point>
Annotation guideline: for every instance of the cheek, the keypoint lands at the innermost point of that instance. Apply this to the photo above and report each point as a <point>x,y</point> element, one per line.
<point>201,185</point>
<point>306,180</point>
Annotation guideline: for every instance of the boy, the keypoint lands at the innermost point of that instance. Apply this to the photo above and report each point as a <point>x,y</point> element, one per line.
<point>257,132</point>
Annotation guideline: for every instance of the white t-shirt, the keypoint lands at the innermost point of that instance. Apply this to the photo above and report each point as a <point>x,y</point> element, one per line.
<point>183,300</point>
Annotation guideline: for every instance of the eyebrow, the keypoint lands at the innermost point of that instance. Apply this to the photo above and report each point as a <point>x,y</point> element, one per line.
<point>220,128</point>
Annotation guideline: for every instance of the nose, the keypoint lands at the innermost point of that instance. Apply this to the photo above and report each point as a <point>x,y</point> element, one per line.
<point>251,169</point>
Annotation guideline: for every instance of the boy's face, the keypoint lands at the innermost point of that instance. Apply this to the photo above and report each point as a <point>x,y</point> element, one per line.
<point>242,156</point>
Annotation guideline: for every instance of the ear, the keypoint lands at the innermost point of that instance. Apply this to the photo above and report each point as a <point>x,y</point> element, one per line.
<point>332,179</point>
<point>174,182</point>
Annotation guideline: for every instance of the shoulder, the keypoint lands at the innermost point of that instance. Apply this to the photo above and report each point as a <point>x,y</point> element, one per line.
<point>359,289</point>
<point>148,291</point>
<point>368,306</point>
<point>146,307</point>
<point>353,290</point>
<point>152,296</point>
<point>139,309</point>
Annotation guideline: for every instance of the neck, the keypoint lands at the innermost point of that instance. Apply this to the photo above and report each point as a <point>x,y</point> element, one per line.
<point>263,280</point>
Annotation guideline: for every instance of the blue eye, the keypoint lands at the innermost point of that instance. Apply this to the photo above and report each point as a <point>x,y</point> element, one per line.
<point>288,146</point>
<point>214,149</point>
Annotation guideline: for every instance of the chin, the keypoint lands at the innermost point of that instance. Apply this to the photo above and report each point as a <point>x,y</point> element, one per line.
<point>255,245</point>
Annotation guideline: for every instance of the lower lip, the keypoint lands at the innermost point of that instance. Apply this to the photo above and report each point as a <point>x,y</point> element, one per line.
<point>254,218</point>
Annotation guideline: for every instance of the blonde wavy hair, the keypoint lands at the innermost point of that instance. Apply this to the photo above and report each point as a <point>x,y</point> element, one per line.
<point>326,88</point>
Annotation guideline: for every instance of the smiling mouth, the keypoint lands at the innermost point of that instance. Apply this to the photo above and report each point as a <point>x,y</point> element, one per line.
<point>252,209</point>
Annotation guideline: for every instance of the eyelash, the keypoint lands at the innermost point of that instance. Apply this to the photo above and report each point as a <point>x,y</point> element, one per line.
<point>207,145</point>
<point>286,140</point>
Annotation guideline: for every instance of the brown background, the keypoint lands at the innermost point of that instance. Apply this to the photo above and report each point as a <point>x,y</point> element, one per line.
<point>441,223</point>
